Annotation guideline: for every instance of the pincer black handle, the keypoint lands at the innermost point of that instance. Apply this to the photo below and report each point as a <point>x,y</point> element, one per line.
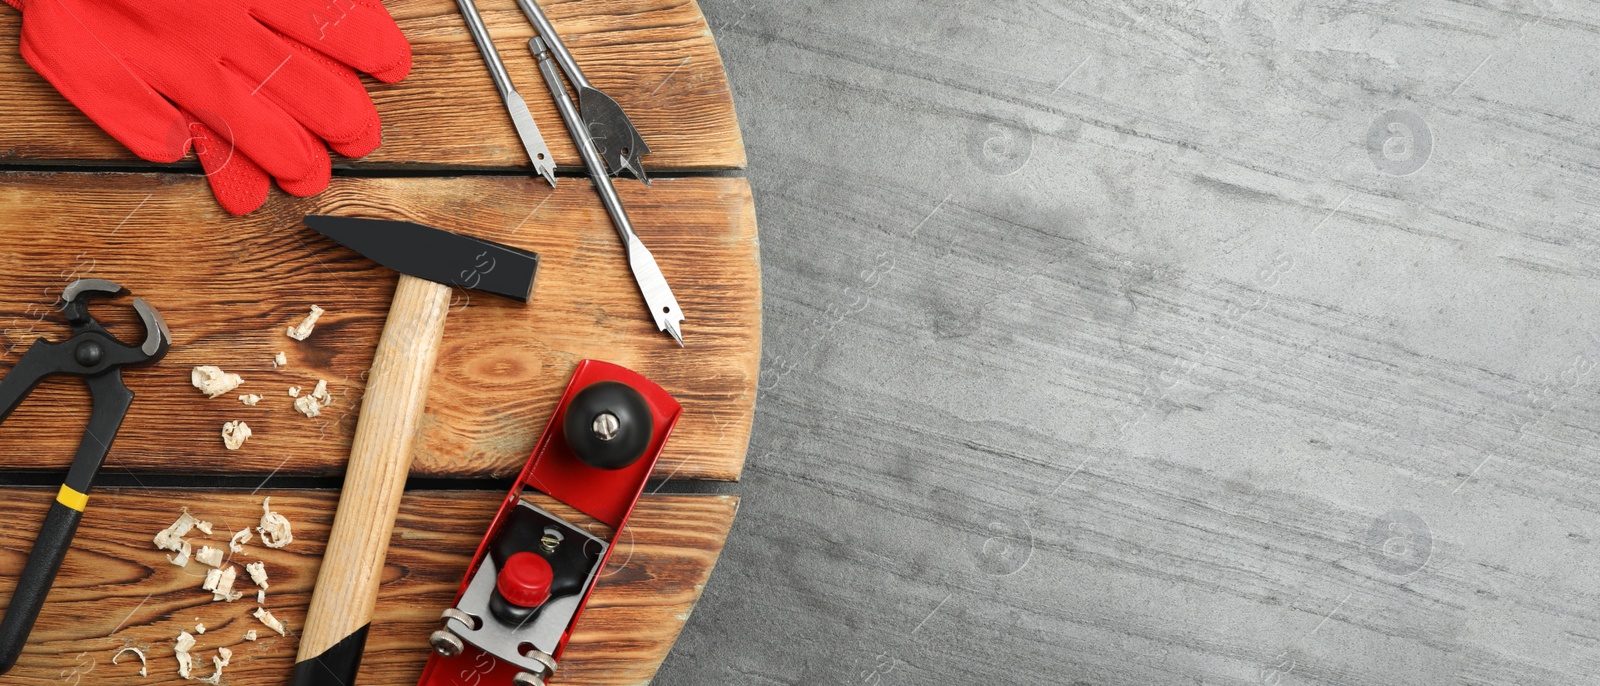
<point>37,577</point>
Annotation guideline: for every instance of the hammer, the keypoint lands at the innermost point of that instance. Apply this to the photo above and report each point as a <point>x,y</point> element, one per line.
<point>430,261</point>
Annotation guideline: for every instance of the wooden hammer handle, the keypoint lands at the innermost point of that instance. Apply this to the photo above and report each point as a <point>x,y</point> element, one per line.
<point>380,458</point>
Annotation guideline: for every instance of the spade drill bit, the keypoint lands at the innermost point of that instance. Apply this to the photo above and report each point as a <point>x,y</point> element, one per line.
<point>657,294</point>
<point>614,135</point>
<point>527,130</point>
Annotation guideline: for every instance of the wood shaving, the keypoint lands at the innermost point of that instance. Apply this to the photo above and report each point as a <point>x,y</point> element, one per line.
<point>250,399</point>
<point>234,434</point>
<point>200,629</point>
<point>171,538</point>
<point>294,391</point>
<point>181,651</point>
<point>250,635</point>
<point>307,406</point>
<point>261,597</point>
<point>183,555</point>
<point>302,330</point>
<point>204,527</point>
<point>220,583</point>
<point>272,622</point>
<point>224,590</point>
<point>311,405</point>
<point>275,531</point>
<point>280,360</point>
<point>130,649</point>
<point>209,556</point>
<point>212,381</point>
<point>236,544</point>
<point>224,656</point>
<point>258,573</point>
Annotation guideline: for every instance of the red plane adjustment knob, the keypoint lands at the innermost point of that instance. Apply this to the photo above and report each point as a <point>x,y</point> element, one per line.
<point>525,580</point>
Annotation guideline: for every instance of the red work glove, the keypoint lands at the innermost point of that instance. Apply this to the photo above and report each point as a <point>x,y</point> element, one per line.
<point>255,86</point>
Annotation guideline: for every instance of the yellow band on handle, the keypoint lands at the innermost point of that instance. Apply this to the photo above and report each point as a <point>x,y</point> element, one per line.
<point>72,498</point>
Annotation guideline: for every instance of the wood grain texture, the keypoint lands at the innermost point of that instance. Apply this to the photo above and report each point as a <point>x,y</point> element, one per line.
<point>655,57</point>
<point>380,460</point>
<point>116,589</point>
<point>229,287</point>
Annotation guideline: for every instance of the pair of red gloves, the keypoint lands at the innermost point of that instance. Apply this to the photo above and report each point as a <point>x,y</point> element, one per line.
<point>256,87</point>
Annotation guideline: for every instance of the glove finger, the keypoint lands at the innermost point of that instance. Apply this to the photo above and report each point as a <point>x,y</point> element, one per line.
<point>324,96</point>
<point>256,126</point>
<point>359,33</point>
<point>310,185</point>
<point>66,54</point>
<point>239,184</point>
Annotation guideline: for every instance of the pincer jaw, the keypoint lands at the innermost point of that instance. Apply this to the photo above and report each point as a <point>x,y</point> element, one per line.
<point>157,337</point>
<point>76,296</point>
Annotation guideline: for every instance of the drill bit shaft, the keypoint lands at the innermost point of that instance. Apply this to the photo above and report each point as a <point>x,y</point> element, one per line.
<point>657,294</point>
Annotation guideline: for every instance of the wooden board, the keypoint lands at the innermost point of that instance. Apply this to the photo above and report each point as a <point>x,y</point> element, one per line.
<point>229,287</point>
<point>116,589</point>
<point>655,57</point>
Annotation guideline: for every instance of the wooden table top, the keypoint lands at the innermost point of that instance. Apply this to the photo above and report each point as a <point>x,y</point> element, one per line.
<point>76,204</point>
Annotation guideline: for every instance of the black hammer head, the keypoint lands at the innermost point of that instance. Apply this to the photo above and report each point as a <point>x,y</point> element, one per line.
<point>435,254</point>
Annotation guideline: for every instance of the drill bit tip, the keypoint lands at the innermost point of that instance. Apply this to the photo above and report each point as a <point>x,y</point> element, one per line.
<point>672,328</point>
<point>532,140</point>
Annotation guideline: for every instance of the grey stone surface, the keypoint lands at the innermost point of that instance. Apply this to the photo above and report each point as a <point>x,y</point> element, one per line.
<point>1205,342</point>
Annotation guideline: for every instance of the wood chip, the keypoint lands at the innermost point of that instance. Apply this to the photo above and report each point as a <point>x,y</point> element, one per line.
<point>275,531</point>
<point>209,556</point>
<point>302,330</point>
<point>212,381</point>
<point>182,559</point>
<point>294,391</point>
<point>272,622</point>
<point>130,649</point>
<point>250,635</point>
<point>204,527</point>
<point>307,406</point>
<point>220,583</point>
<point>311,405</point>
<point>280,360</point>
<point>234,434</point>
<point>236,544</point>
<point>171,538</point>
<point>258,573</point>
<point>200,629</point>
<point>250,399</point>
<point>224,656</point>
<point>181,651</point>
<point>261,597</point>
